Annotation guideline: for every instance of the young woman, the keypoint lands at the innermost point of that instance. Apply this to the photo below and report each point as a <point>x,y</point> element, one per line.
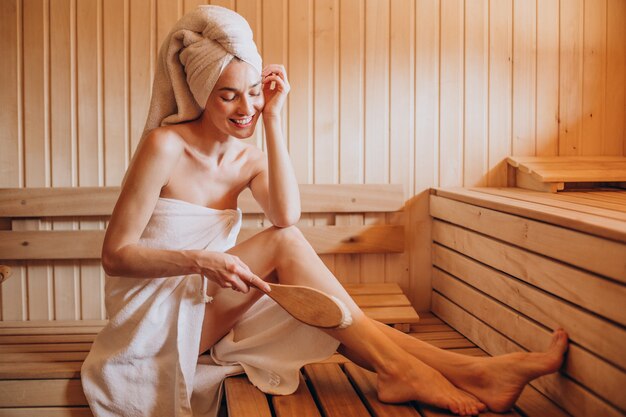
<point>198,167</point>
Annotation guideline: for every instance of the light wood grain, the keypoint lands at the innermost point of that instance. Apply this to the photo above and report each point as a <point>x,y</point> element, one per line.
<point>40,393</point>
<point>602,377</point>
<point>46,412</point>
<point>99,201</point>
<point>580,288</point>
<point>255,404</point>
<point>589,252</point>
<point>567,394</point>
<point>299,404</point>
<point>333,391</point>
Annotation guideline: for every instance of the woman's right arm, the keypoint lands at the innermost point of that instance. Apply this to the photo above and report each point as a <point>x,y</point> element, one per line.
<point>148,173</point>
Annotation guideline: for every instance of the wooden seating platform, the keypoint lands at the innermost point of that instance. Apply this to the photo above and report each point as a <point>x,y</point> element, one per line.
<point>510,265</point>
<point>556,173</point>
<point>40,377</point>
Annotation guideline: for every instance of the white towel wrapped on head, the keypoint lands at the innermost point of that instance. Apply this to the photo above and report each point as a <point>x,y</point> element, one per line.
<point>191,59</point>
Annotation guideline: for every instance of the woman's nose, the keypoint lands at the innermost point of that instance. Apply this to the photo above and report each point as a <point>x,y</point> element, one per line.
<point>245,106</point>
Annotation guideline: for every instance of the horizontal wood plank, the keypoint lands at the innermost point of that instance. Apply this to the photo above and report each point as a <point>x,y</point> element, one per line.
<point>365,382</point>
<point>590,370</point>
<point>46,412</point>
<point>299,404</point>
<point>587,290</point>
<point>569,395</point>
<point>598,225</point>
<point>592,253</point>
<point>99,201</point>
<point>87,244</point>
<point>42,393</point>
<point>245,400</point>
<point>335,395</point>
<point>390,315</point>
<point>586,329</point>
<point>383,300</point>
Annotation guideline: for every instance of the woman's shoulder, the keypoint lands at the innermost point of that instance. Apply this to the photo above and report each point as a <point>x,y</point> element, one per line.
<point>163,140</point>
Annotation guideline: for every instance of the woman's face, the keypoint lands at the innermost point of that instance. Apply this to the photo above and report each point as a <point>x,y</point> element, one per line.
<point>236,102</point>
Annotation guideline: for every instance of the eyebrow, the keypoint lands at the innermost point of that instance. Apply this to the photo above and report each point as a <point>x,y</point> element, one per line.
<point>234,90</point>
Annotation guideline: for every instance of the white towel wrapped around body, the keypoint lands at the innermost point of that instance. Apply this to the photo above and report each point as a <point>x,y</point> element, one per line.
<point>144,363</point>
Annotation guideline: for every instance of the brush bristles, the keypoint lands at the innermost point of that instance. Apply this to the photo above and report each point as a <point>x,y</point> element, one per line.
<point>347,316</point>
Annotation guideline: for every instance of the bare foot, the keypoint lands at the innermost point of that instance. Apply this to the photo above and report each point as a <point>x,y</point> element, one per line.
<point>417,381</point>
<point>501,379</point>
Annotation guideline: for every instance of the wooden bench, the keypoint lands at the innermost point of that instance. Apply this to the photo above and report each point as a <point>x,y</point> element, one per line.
<point>57,233</point>
<point>40,371</point>
<point>510,265</point>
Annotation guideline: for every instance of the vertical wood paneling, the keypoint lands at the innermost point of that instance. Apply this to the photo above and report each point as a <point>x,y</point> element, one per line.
<point>426,156</point>
<point>615,131</point>
<point>451,93</point>
<point>500,89</point>
<point>141,60</point>
<point>10,175</point>
<point>114,61</point>
<point>476,92</point>
<point>571,76</point>
<point>351,123</point>
<point>593,140</point>
<point>547,87</point>
<point>62,145</point>
<point>300,101</point>
<point>325,96</point>
<point>524,77</point>
<point>401,124</point>
<point>36,26</point>
<point>376,116</point>
<point>421,92</point>
<point>89,143</point>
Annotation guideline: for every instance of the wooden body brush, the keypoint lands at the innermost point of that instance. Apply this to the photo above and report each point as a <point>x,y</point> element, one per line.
<point>311,306</point>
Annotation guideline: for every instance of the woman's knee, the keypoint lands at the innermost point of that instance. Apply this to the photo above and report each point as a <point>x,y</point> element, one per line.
<point>287,237</point>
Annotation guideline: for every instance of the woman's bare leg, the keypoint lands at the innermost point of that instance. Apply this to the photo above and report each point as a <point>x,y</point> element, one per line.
<point>496,381</point>
<point>401,376</point>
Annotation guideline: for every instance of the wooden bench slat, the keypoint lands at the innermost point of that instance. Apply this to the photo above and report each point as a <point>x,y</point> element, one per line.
<point>391,315</point>
<point>255,404</point>
<point>566,393</point>
<point>47,338</point>
<point>589,252</point>
<point>45,347</point>
<point>42,357</point>
<point>60,330</point>
<point>298,404</point>
<point>587,330</point>
<point>99,201</point>
<point>87,244</point>
<point>365,382</point>
<point>587,368</point>
<point>587,290</point>
<point>384,300</point>
<point>333,391</point>
<point>42,393</point>
<point>46,412</point>
<point>373,288</point>
<point>15,324</point>
<point>38,370</point>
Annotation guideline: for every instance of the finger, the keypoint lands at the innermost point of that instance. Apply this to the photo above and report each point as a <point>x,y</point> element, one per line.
<point>258,283</point>
<point>238,284</point>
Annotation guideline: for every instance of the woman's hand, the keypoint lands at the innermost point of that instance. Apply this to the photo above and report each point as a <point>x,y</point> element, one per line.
<point>275,89</point>
<point>228,271</point>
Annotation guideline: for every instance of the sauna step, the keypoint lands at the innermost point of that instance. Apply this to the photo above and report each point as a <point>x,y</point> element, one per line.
<point>556,173</point>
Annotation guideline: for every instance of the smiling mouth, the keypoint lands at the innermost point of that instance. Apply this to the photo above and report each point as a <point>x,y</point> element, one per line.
<point>243,122</point>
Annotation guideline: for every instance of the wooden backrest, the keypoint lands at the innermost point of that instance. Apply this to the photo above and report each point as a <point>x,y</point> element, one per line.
<point>29,219</point>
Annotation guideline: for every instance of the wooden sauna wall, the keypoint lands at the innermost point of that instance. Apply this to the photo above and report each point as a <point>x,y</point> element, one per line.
<point>424,93</point>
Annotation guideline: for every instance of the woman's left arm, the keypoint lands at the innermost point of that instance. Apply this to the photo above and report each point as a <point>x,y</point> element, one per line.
<point>275,186</point>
